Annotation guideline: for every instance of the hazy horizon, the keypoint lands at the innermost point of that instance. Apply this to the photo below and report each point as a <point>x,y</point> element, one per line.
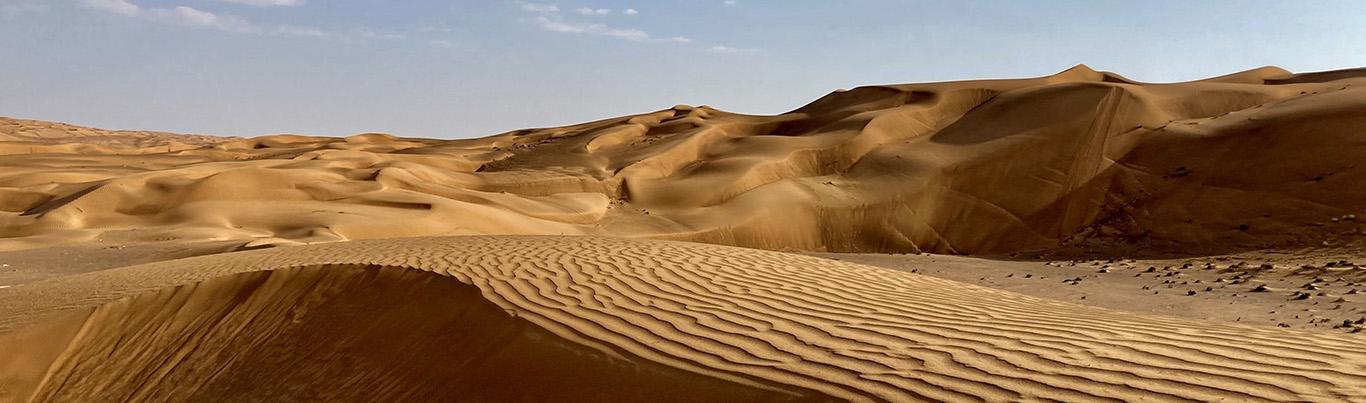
<point>466,69</point>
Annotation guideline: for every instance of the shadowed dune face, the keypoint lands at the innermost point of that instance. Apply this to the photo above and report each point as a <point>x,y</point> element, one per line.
<point>679,320</point>
<point>1080,157</point>
<point>334,333</point>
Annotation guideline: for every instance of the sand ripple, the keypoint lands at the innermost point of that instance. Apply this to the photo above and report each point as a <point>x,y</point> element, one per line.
<point>758,325</point>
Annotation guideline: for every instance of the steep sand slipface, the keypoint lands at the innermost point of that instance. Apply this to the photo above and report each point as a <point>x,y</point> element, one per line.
<point>1253,159</point>
<point>358,320</point>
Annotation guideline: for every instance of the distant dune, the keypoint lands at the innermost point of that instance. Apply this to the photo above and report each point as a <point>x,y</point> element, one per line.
<point>602,319</point>
<point>1252,159</point>
<point>23,136</point>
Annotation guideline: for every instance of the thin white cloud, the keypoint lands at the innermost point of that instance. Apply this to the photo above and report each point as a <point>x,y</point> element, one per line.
<point>370,34</point>
<point>627,34</point>
<point>268,3</point>
<point>190,16</point>
<point>593,11</point>
<point>630,11</point>
<point>441,43</point>
<point>549,18</point>
<point>728,49</point>
<point>301,31</point>
<point>113,6</point>
<point>193,17</point>
<point>730,2</point>
<point>540,8</point>
<point>557,24</point>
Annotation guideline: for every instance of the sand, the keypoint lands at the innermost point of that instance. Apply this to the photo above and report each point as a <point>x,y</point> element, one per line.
<point>1307,289</point>
<point>1252,160</point>
<point>649,257</point>
<point>763,325</point>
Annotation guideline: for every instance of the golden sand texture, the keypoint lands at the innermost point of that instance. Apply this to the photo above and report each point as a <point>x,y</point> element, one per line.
<point>24,136</point>
<point>669,316</point>
<point>1254,159</point>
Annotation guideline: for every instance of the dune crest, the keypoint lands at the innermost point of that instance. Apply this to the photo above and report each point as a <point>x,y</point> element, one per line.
<point>761,324</point>
<point>994,166</point>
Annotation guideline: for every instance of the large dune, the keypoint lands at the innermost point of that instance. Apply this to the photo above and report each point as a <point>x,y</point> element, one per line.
<point>1252,159</point>
<point>603,319</point>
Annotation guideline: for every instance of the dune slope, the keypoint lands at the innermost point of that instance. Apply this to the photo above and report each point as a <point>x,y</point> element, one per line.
<point>741,323</point>
<point>1253,159</point>
<point>332,333</point>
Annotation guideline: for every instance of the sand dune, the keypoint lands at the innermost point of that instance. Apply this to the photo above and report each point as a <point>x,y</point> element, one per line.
<point>23,136</point>
<point>1252,159</point>
<point>679,321</point>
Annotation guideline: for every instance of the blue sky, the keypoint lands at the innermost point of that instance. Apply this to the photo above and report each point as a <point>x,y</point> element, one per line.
<point>468,68</point>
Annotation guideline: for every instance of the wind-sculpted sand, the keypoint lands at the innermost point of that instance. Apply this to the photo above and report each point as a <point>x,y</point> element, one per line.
<point>1262,158</point>
<point>589,318</point>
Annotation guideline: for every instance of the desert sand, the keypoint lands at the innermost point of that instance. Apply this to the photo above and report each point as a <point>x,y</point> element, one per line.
<point>1128,241</point>
<point>588,318</point>
<point>1255,159</point>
